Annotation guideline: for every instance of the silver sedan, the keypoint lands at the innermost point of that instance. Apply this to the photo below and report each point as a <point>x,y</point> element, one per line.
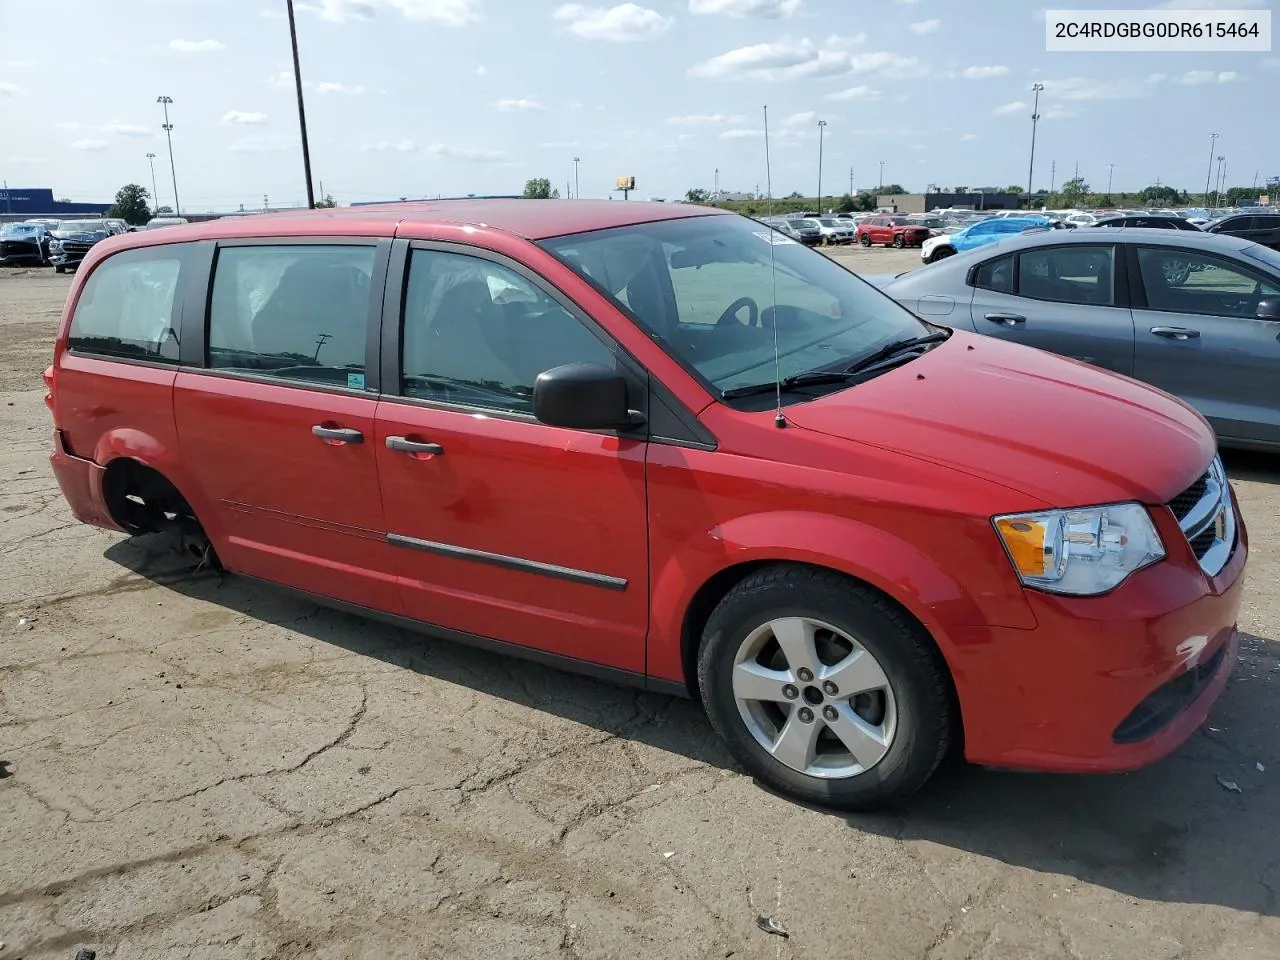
<point>1197,315</point>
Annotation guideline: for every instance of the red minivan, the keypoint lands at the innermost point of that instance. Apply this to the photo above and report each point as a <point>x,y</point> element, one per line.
<point>666,445</point>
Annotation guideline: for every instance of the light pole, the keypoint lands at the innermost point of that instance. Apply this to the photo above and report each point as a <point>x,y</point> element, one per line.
<point>168,135</point>
<point>1213,138</point>
<point>715,188</point>
<point>881,187</point>
<point>1217,180</point>
<point>155,194</point>
<point>302,113</point>
<point>577,193</point>
<point>822,126</point>
<point>851,183</point>
<point>1035,119</point>
<point>1111,168</point>
<point>1222,186</point>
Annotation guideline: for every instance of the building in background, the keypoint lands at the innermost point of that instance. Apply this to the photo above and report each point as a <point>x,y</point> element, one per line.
<point>22,202</point>
<point>924,202</point>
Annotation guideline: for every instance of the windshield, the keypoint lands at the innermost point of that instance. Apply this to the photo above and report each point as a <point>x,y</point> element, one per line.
<point>20,230</point>
<point>1256,251</point>
<point>831,223</point>
<point>82,226</point>
<point>704,289</point>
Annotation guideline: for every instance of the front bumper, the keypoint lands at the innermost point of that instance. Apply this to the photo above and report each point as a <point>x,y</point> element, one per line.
<point>20,251</point>
<point>1104,684</point>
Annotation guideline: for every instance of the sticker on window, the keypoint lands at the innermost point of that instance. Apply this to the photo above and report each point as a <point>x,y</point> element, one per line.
<point>355,381</point>
<point>773,237</point>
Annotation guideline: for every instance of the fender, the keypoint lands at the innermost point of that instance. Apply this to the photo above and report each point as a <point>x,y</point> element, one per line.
<point>150,451</point>
<point>895,567</point>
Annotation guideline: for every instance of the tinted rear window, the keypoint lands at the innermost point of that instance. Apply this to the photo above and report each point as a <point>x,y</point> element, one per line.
<point>129,307</point>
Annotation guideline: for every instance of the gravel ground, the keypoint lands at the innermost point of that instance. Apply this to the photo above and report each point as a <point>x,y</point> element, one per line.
<point>212,770</point>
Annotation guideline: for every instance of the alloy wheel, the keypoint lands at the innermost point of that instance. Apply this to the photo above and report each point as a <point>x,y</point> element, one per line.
<point>814,698</point>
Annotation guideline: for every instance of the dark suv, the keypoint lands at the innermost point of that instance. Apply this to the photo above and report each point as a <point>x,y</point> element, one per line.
<point>72,239</point>
<point>1155,220</point>
<point>1263,228</point>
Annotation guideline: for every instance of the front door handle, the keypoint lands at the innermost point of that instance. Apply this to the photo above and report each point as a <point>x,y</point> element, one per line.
<point>337,435</point>
<point>1176,333</point>
<point>405,445</point>
<point>1008,319</point>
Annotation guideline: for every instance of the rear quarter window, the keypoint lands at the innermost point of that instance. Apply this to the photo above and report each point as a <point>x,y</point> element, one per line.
<point>129,308</point>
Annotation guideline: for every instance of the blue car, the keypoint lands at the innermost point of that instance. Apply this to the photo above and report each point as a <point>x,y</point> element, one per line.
<point>978,234</point>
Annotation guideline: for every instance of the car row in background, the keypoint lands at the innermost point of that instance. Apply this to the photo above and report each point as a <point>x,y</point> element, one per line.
<point>1194,313</point>
<point>43,241</point>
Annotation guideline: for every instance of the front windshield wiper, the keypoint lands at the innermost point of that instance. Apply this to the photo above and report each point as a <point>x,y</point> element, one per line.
<point>886,356</point>
<point>893,349</point>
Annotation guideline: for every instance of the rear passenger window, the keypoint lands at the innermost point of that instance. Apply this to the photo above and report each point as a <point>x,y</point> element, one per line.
<point>996,275</point>
<point>298,312</point>
<point>127,307</point>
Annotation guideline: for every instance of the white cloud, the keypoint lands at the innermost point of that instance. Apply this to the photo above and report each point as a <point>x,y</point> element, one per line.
<point>91,145</point>
<point>329,86</point>
<point>768,9</point>
<point>737,134</point>
<point>9,89</point>
<point>20,64</point>
<point>861,92</point>
<point>924,27</point>
<point>621,24</point>
<point>270,13</point>
<point>982,73</point>
<point>702,119</point>
<point>466,153</point>
<point>481,70</point>
<point>1017,106</point>
<point>892,66</point>
<point>1059,113</point>
<point>969,136</point>
<point>519,104</point>
<point>396,146</point>
<point>452,13</point>
<point>788,59</point>
<point>1082,88</point>
<point>800,119</point>
<point>196,46</point>
<point>241,116</point>
<point>127,130</point>
<point>283,80</point>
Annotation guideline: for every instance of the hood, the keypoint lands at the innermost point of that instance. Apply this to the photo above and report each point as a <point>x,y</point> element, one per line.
<point>1060,430</point>
<point>81,234</point>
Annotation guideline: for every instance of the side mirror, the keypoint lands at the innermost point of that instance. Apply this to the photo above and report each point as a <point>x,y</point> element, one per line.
<point>585,396</point>
<point>1268,309</point>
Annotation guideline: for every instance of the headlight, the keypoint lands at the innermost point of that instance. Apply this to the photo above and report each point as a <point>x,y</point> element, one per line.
<point>1083,552</point>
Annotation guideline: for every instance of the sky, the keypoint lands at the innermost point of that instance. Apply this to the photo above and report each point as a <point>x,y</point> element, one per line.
<point>424,98</point>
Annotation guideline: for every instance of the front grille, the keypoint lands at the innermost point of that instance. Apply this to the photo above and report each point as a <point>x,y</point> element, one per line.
<point>1168,702</point>
<point>1207,519</point>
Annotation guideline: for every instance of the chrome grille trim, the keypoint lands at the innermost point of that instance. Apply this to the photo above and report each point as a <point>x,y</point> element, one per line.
<point>1210,524</point>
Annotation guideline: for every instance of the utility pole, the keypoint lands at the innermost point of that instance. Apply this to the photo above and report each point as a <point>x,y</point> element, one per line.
<point>1213,139</point>
<point>302,113</point>
<point>168,134</point>
<point>1053,173</point>
<point>851,181</point>
<point>1111,168</point>
<point>155,194</point>
<point>1035,119</point>
<point>822,126</point>
<point>577,193</point>
<point>265,204</point>
<point>1076,175</point>
<point>715,191</point>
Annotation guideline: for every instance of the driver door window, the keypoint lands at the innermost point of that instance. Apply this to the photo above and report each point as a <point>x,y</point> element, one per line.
<point>1185,281</point>
<point>478,333</point>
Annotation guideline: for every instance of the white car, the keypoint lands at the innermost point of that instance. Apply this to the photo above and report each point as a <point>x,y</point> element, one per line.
<point>1082,219</point>
<point>930,245</point>
<point>835,230</point>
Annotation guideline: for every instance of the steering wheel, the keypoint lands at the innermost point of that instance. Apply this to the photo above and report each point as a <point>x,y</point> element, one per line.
<point>730,314</point>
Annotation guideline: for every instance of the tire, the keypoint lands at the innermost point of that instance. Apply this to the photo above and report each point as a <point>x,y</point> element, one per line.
<point>899,241</point>
<point>911,716</point>
<point>941,254</point>
<point>865,239</point>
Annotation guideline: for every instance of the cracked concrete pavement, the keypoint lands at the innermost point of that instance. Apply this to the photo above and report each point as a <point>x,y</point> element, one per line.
<point>204,769</point>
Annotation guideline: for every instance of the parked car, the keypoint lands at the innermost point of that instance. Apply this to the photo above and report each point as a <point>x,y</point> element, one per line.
<point>24,243</point>
<point>891,231</point>
<point>553,430</point>
<point>116,225</point>
<point>977,234</point>
<point>1260,228</point>
<point>836,231</point>
<point>155,223</point>
<point>1154,221</point>
<point>807,231</point>
<point>72,239</point>
<point>1195,314</point>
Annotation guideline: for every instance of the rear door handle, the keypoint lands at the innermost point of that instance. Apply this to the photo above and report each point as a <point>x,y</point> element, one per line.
<point>337,435</point>
<point>1008,319</point>
<point>405,445</point>
<point>1176,333</point>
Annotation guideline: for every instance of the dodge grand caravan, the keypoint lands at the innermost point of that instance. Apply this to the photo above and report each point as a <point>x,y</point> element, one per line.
<point>669,446</point>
